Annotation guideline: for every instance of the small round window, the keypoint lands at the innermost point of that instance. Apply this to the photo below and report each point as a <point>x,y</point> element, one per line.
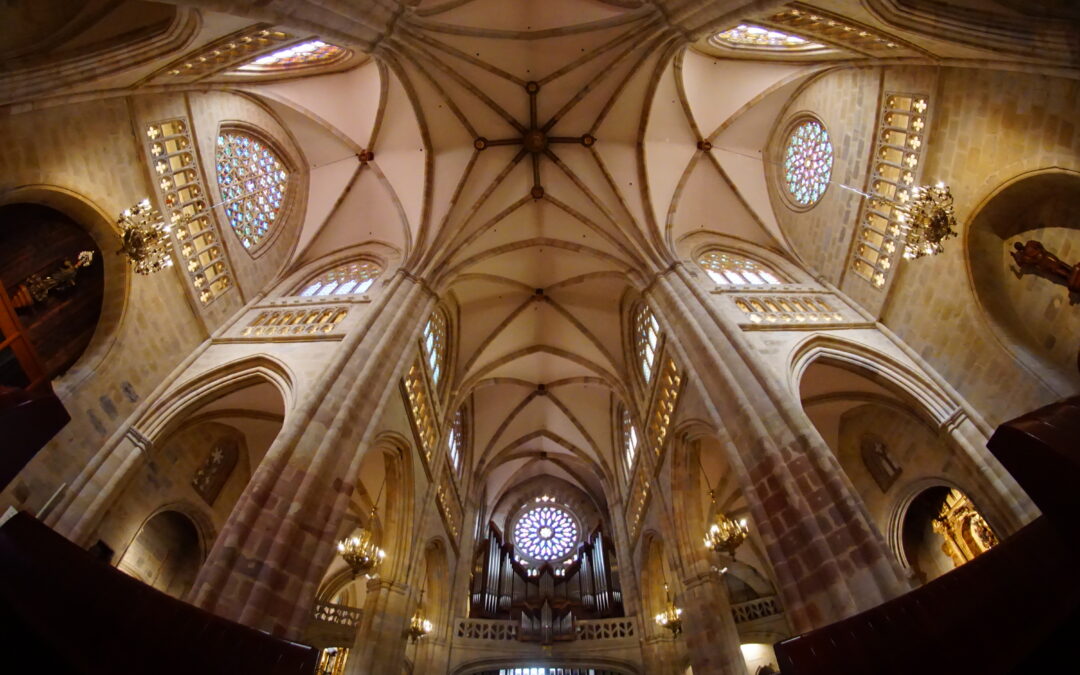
<point>808,161</point>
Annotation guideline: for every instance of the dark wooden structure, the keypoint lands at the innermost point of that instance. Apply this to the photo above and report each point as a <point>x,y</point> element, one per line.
<point>1012,610</point>
<point>65,613</point>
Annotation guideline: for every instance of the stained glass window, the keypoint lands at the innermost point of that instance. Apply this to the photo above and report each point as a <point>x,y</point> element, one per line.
<point>310,53</point>
<point>749,35</point>
<point>647,337</point>
<point>348,279</point>
<point>808,160</point>
<point>630,441</point>
<point>253,181</point>
<point>456,441</point>
<point>734,270</point>
<point>435,344</point>
<point>546,533</point>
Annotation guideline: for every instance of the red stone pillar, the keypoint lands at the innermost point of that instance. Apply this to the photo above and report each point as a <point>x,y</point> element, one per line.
<point>712,639</point>
<point>382,640</point>
<point>265,566</point>
<point>829,560</point>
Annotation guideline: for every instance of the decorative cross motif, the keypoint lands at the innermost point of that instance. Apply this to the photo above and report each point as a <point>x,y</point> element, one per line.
<point>535,140</point>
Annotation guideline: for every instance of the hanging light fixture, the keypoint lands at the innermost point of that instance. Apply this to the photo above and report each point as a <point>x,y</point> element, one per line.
<point>144,238</point>
<point>926,220</point>
<point>361,552</point>
<point>671,617</point>
<point>418,625</point>
<point>361,549</point>
<point>725,534</point>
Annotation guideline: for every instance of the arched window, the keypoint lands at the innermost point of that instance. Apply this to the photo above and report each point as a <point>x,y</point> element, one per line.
<point>630,442</point>
<point>253,181</point>
<point>808,160</point>
<point>302,55</point>
<point>351,278</point>
<point>435,345</point>
<point>646,339</point>
<point>733,270</point>
<point>747,35</point>
<point>455,443</point>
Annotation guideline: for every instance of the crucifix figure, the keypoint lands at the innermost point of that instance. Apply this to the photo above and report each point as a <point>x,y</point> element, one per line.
<point>1033,257</point>
<point>535,140</point>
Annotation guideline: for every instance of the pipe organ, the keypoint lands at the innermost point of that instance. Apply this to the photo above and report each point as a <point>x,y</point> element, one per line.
<point>545,600</point>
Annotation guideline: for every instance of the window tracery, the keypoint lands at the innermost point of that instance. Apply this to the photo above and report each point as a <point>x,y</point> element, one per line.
<point>630,443</point>
<point>253,181</point>
<point>175,160</point>
<point>897,151</point>
<point>302,55</point>
<point>808,160</point>
<point>350,278</point>
<point>435,344</point>
<point>456,441</point>
<point>546,533</point>
<point>760,37</point>
<point>733,270</point>
<point>646,340</point>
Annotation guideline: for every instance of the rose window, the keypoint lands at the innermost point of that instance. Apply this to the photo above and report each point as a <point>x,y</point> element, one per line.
<point>808,160</point>
<point>546,533</point>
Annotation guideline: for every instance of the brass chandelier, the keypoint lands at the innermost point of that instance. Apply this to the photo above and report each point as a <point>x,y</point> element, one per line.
<point>361,551</point>
<point>418,625</point>
<point>144,238</point>
<point>671,617</point>
<point>726,534</point>
<point>926,220</point>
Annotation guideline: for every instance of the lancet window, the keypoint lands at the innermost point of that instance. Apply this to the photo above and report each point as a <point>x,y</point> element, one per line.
<point>808,160</point>
<point>647,339</point>
<point>630,442</point>
<point>351,278</point>
<point>253,181</point>
<point>435,345</point>
<point>455,443</point>
<point>734,270</point>
<point>302,55</point>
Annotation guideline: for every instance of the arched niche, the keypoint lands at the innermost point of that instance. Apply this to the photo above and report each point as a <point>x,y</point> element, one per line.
<point>53,273</point>
<point>166,553</point>
<point>1031,315</point>
<point>941,528</point>
<point>379,503</point>
<point>886,444</point>
<point>701,466</point>
<point>204,459</point>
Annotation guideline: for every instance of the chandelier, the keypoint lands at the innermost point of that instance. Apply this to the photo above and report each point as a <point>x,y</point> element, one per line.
<point>671,617</point>
<point>418,625</point>
<point>144,238</point>
<point>362,552</point>
<point>926,220</point>
<point>726,534</point>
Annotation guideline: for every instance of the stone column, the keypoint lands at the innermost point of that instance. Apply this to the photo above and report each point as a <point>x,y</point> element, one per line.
<point>712,640</point>
<point>829,560</point>
<point>381,640</point>
<point>265,566</point>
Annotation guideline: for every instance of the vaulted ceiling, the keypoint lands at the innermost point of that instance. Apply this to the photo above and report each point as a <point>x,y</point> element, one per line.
<point>536,162</point>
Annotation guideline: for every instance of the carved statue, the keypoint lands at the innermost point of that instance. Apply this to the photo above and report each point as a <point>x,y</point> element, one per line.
<point>36,288</point>
<point>1033,257</point>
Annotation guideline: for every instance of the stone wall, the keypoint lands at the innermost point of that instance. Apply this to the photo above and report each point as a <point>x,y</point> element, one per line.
<point>846,101</point>
<point>990,127</point>
<point>165,481</point>
<point>87,153</point>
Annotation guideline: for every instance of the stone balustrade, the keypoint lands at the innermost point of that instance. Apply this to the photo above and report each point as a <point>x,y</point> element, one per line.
<point>758,608</point>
